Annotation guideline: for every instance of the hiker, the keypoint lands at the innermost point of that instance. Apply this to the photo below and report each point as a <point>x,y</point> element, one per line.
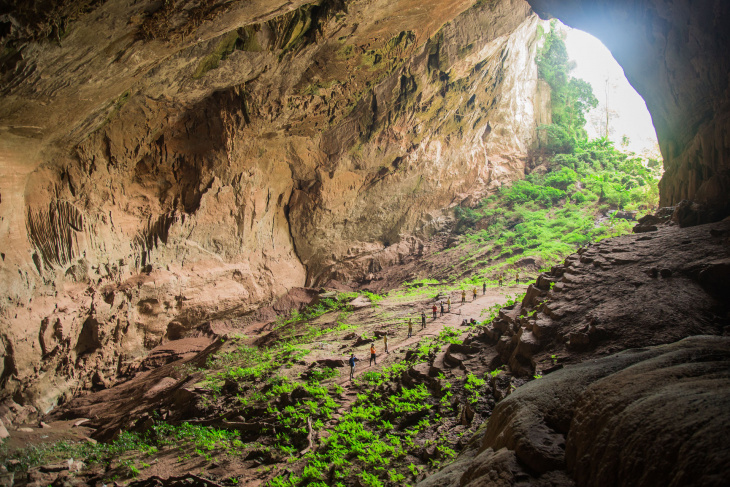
<point>372,355</point>
<point>463,296</point>
<point>464,322</point>
<point>484,288</point>
<point>501,277</point>
<point>474,292</point>
<point>449,303</point>
<point>410,327</point>
<point>434,311</point>
<point>442,307</point>
<point>517,278</point>
<point>352,361</point>
<point>423,320</point>
<point>385,343</point>
<point>472,321</point>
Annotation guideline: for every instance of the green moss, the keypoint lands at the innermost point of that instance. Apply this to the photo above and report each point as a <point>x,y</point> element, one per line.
<point>391,54</point>
<point>294,27</point>
<point>313,89</point>
<point>222,50</point>
<point>247,40</point>
<point>356,150</point>
<point>346,52</point>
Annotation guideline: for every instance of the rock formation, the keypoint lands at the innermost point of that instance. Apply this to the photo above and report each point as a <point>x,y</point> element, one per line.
<point>167,164</point>
<point>631,291</point>
<point>674,54</point>
<point>164,164</point>
<point>640,417</point>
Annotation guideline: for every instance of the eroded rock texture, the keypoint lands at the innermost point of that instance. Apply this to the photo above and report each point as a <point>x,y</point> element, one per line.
<point>675,55</point>
<point>636,290</point>
<point>654,416</point>
<point>164,164</point>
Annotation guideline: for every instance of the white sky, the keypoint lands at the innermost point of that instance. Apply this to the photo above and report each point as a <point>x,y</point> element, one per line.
<point>595,64</point>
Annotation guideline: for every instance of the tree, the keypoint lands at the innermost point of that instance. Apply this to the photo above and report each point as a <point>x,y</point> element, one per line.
<point>553,64</point>
<point>571,98</point>
<point>579,99</point>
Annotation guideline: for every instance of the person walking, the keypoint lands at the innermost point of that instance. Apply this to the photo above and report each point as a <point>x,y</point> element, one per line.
<point>423,320</point>
<point>352,361</point>
<point>385,343</point>
<point>463,296</point>
<point>474,294</point>
<point>410,327</point>
<point>484,288</point>
<point>517,278</point>
<point>501,279</point>
<point>442,307</point>
<point>448,301</point>
<point>435,310</point>
<point>372,355</point>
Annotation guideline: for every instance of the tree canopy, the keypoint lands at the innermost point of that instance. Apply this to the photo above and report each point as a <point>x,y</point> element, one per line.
<point>572,98</point>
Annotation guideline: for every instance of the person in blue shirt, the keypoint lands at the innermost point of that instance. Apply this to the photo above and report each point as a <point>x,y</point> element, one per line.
<point>352,361</point>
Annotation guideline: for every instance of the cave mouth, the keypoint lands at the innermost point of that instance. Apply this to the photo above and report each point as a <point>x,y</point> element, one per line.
<point>621,114</point>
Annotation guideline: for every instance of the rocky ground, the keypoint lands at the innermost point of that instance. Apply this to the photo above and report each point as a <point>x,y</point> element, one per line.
<point>171,385</point>
<point>651,288</point>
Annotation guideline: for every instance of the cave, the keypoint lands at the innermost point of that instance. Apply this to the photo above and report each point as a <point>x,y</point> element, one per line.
<point>217,202</point>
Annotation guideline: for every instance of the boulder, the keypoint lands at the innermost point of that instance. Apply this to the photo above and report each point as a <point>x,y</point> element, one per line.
<point>453,359</point>
<point>544,328</point>
<point>329,362</point>
<point>544,281</point>
<point>655,416</point>
<point>578,341</point>
<point>362,340</point>
<point>533,296</point>
<point>688,213</point>
<point>644,228</point>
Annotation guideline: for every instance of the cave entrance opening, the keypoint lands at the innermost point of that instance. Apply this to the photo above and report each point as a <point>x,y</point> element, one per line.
<point>621,114</point>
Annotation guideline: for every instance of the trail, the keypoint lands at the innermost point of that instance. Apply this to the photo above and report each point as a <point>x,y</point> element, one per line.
<point>398,334</point>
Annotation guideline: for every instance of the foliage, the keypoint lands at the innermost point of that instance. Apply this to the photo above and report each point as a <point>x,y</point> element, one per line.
<point>551,213</point>
<point>197,439</point>
<point>571,97</point>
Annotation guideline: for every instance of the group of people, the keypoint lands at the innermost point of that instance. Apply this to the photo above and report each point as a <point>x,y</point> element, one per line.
<point>443,307</point>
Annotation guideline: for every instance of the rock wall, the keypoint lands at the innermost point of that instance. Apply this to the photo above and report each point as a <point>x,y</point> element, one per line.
<point>165,165</point>
<point>675,55</point>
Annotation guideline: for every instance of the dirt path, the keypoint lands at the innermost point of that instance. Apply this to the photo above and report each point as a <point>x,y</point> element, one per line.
<point>398,336</point>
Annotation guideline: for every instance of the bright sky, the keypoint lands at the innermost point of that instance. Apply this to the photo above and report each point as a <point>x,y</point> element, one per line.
<point>627,110</point>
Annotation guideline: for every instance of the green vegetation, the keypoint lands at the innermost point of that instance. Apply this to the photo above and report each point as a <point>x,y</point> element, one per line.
<point>572,98</point>
<point>364,442</point>
<point>129,447</point>
<point>221,52</point>
<point>566,202</point>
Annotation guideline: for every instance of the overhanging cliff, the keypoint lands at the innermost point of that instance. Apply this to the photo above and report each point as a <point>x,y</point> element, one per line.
<point>167,166</point>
